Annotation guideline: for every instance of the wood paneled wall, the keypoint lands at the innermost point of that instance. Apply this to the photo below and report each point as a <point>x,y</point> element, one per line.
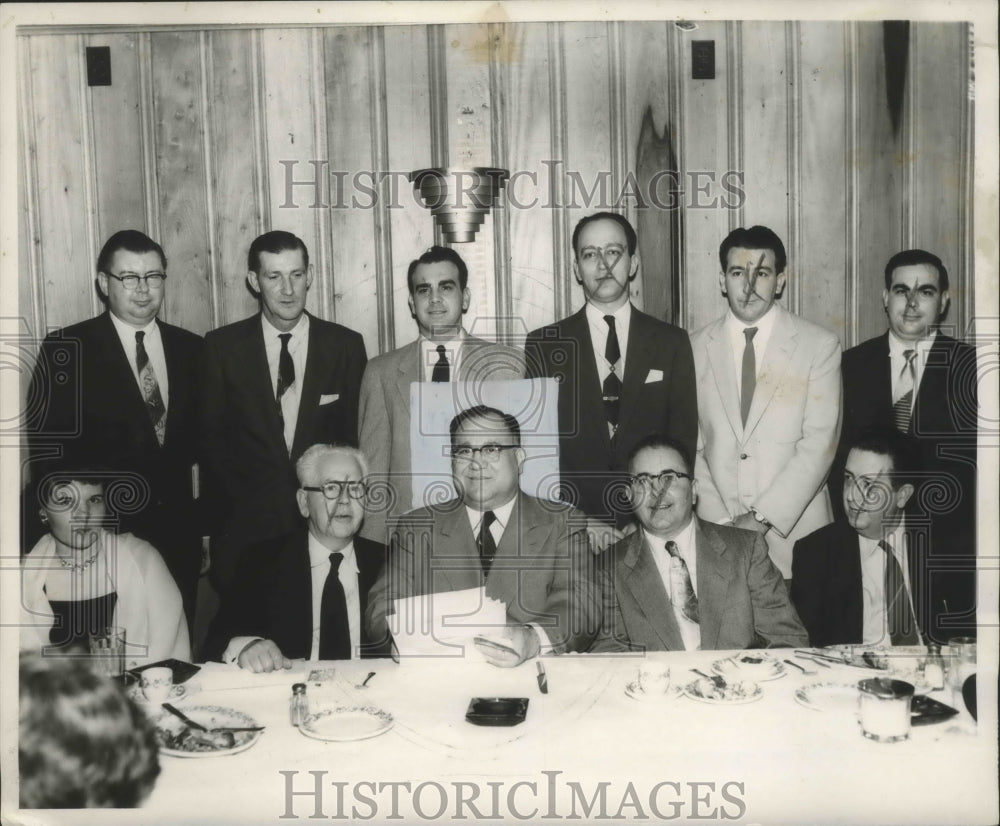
<point>208,137</point>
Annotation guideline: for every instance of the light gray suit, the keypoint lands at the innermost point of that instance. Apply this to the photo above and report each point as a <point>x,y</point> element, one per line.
<point>742,599</point>
<point>778,462</point>
<point>384,417</point>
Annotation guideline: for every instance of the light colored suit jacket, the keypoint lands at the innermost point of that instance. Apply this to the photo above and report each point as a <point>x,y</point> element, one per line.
<point>384,417</point>
<point>779,462</point>
<point>543,568</point>
<point>742,599</point>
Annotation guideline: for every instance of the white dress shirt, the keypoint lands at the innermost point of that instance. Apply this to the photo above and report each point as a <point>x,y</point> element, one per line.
<point>874,629</point>
<point>429,355</point>
<point>298,347</point>
<point>319,570</point>
<point>153,343</point>
<point>897,360</point>
<point>599,340</point>
<point>738,342</point>
<point>671,575</point>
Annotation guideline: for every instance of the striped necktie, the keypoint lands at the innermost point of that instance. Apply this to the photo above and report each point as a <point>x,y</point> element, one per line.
<point>155,407</point>
<point>900,622</point>
<point>689,608</point>
<point>902,408</point>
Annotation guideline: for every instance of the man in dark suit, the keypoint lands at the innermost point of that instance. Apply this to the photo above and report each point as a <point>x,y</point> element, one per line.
<point>925,383</point>
<point>443,352</point>
<point>621,373</point>
<point>681,583</point>
<point>275,383</point>
<point>120,392</point>
<point>529,554</point>
<point>296,604</point>
<point>873,575</point>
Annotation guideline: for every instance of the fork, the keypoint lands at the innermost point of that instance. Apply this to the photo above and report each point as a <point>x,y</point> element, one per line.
<point>803,669</point>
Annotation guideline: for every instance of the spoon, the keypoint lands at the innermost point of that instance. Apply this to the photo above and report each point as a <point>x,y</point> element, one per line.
<point>803,669</point>
<point>370,675</point>
<point>716,680</point>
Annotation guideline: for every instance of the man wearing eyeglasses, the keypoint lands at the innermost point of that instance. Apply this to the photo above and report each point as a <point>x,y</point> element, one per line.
<point>621,373</point>
<point>307,599</point>
<point>681,583</point>
<point>443,352</point>
<point>120,391</point>
<point>529,554</point>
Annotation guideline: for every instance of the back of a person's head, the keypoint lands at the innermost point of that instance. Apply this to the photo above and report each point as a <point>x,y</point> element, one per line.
<point>82,743</point>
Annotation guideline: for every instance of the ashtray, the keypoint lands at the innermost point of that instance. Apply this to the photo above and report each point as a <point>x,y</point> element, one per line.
<point>497,711</point>
<point>926,710</point>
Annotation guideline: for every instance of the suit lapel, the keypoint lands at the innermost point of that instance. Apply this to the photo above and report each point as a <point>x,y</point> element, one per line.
<point>638,357</point>
<point>640,579</point>
<point>121,378</point>
<point>312,382</point>
<point>180,395</point>
<point>407,371</point>
<point>590,395</point>
<point>720,356</point>
<point>458,542</point>
<point>714,579</point>
<point>291,600</point>
<point>775,362</point>
<point>253,357</point>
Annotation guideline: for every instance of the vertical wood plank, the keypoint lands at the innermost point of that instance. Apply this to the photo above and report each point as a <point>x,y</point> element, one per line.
<point>793,162</point>
<point>180,173</point>
<point>734,81</point>
<point>822,255</point>
<point>30,286</point>
<point>349,125</point>
<point>235,175</point>
<point>408,102</point>
<point>879,181</point>
<point>938,145</point>
<point>853,213</point>
<point>147,141</point>
<point>380,163</point>
<point>502,56</point>
<point>115,114</point>
<point>66,269</point>
<point>676,107</point>
<point>528,209</point>
<point>705,153</point>
<point>469,123</point>
<point>298,176</point>
<point>555,179</point>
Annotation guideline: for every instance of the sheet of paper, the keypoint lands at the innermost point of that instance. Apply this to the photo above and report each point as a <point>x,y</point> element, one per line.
<point>444,624</point>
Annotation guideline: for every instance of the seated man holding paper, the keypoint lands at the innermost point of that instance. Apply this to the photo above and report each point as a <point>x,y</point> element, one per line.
<point>527,553</point>
<point>308,599</point>
<point>681,583</point>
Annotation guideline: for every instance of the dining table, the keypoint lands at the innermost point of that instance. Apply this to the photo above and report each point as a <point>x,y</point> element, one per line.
<point>592,748</point>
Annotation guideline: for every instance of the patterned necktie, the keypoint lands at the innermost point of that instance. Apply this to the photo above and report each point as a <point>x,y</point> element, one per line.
<point>748,373</point>
<point>612,387</point>
<point>485,543</point>
<point>901,623</point>
<point>155,407</point>
<point>286,367</point>
<point>690,607</point>
<point>442,370</point>
<point>334,628</point>
<point>903,405</point>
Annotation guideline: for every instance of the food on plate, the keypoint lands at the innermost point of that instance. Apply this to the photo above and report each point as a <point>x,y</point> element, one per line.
<point>189,739</point>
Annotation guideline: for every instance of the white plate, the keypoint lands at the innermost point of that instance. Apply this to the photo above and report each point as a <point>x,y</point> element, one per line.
<point>742,667</point>
<point>345,724</point>
<point>749,693</point>
<point>636,693</point>
<point>836,697</point>
<point>210,717</point>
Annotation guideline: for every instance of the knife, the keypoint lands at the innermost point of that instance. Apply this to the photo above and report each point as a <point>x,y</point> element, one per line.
<point>543,680</point>
<point>184,717</point>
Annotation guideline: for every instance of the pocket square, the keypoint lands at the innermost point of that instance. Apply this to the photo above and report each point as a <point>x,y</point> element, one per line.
<point>654,375</point>
<point>329,399</point>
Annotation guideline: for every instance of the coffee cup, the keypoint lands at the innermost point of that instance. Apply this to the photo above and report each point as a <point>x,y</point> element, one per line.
<point>157,684</point>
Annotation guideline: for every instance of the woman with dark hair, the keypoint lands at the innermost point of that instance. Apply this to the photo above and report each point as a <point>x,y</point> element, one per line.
<point>81,577</point>
<point>82,743</point>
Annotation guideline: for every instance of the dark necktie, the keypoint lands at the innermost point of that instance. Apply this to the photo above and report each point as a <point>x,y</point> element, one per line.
<point>485,543</point>
<point>155,407</point>
<point>690,606</point>
<point>748,373</point>
<point>903,405</point>
<point>334,628</point>
<point>902,625</point>
<point>442,370</point>
<point>612,388</point>
<point>286,368</point>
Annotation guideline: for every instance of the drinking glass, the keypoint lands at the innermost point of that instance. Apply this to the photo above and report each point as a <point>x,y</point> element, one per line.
<point>107,651</point>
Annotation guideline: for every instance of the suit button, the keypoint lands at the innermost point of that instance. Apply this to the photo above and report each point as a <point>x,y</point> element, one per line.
<point>743,456</point>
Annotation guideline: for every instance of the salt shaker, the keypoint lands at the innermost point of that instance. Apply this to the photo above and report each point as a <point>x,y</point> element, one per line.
<point>299,705</point>
<point>934,667</point>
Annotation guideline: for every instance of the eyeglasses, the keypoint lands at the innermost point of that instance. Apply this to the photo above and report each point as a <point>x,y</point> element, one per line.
<point>130,280</point>
<point>333,490</point>
<point>659,481</point>
<point>487,453</point>
<point>609,255</point>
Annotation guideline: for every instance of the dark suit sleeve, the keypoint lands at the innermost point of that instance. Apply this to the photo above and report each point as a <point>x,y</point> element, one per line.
<point>356,360</point>
<point>683,421</point>
<point>397,579</point>
<point>54,398</point>
<point>612,637</point>
<point>214,426</point>
<point>534,356</point>
<point>775,620</point>
<point>808,587</point>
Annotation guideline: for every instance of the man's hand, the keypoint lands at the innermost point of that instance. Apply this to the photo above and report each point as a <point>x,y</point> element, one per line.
<point>749,522</point>
<point>262,656</point>
<point>601,535</point>
<point>518,643</point>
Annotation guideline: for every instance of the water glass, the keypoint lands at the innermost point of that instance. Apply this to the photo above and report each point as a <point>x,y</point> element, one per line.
<point>107,651</point>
